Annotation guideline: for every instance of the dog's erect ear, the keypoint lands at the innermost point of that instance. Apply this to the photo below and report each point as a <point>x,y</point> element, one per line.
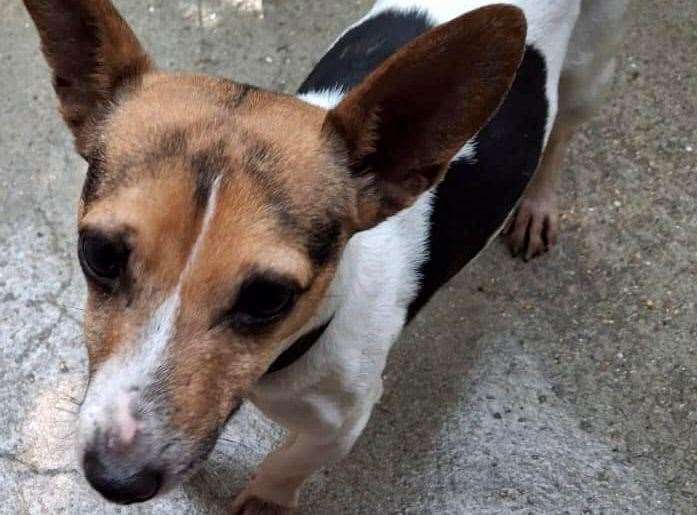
<point>404,123</point>
<point>93,54</point>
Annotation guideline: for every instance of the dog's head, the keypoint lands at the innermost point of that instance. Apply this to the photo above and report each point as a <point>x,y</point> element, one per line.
<point>214,214</point>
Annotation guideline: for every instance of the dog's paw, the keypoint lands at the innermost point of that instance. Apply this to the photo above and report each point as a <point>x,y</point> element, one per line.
<point>255,506</point>
<point>535,227</point>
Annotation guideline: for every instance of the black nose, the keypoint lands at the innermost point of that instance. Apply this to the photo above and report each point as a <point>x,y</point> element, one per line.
<point>119,486</point>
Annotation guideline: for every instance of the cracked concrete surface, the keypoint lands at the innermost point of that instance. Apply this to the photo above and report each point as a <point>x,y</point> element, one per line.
<point>566,385</point>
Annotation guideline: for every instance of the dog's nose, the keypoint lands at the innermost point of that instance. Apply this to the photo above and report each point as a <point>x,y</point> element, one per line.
<point>117,483</point>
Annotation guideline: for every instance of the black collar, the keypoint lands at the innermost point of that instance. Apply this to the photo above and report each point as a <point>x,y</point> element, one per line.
<point>298,349</point>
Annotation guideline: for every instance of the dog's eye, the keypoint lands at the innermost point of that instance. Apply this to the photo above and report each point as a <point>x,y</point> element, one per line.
<point>262,301</point>
<point>103,259</point>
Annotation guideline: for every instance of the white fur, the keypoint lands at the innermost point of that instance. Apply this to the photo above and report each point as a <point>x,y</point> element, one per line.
<point>114,387</point>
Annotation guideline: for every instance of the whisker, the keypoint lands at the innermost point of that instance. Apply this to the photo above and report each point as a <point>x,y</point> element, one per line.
<point>71,307</point>
<point>64,306</point>
<point>241,444</point>
<point>71,399</point>
<point>66,410</point>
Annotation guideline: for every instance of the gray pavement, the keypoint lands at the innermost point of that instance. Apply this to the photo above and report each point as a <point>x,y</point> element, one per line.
<point>566,385</point>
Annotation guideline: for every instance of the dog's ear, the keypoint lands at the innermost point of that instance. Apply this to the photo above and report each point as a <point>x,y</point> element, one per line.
<point>93,54</point>
<point>404,123</point>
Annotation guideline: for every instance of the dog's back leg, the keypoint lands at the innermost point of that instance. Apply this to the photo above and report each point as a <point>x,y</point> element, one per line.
<point>587,73</point>
<point>591,59</point>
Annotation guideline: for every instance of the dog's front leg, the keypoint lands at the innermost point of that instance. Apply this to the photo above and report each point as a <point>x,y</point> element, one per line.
<point>276,486</point>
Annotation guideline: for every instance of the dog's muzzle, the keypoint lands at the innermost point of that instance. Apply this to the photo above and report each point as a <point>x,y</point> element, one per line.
<point>113,469</point>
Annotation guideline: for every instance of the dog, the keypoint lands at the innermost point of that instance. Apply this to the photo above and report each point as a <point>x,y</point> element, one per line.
<point>244,244</point>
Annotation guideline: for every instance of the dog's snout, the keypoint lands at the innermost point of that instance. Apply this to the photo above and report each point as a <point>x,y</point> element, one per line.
<point>117,460</point>
<point>118,483</point>
<point>125,427</point>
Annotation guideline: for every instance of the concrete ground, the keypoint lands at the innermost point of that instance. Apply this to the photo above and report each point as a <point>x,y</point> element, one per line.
<point>566,385</point>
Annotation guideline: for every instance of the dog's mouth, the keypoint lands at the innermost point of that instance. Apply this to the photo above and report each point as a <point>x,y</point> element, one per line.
<point>144,471</point>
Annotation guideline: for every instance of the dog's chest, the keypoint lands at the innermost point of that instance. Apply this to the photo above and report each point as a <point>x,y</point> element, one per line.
<point>490,173</point>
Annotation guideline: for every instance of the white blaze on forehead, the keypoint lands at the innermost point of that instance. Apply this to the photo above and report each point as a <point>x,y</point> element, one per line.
<point>114,384</point>
<point>161,327</point>
<point>205,225</point>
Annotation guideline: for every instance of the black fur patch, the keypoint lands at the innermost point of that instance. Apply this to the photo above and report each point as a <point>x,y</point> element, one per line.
<point>475,198</point>
<point>323,239</point>
<point>207,165</point>
<point>363,48</point>
<point>172,142</point>
<point>240,95</point>
<point>95,171</point>
<point>261,162</point>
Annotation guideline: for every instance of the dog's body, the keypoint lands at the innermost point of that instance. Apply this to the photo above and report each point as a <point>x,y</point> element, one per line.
<point>388,273</point>
<point>170,360</point>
